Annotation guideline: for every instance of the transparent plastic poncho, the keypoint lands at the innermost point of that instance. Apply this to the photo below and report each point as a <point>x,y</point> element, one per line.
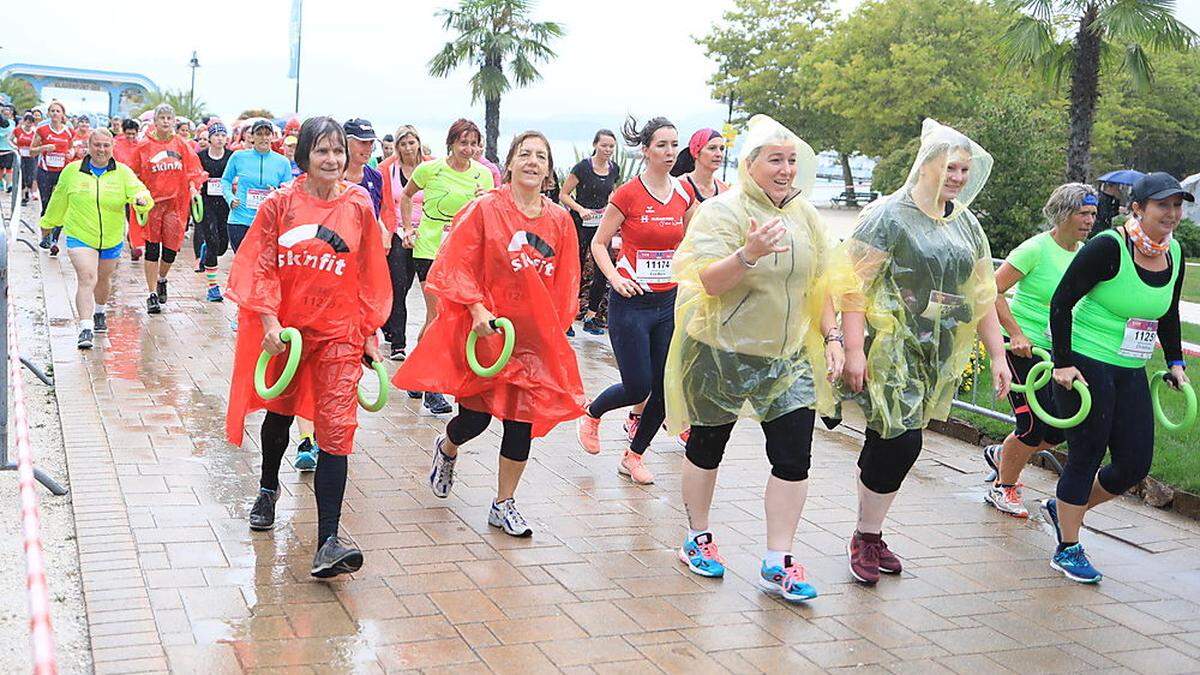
<point>751,351</point>
<point>921,271</point>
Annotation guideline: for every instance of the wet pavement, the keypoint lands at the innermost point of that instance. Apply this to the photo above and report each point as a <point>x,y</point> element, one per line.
<point>174,579</point>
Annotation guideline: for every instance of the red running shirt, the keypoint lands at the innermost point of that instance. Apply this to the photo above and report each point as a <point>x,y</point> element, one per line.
<point>23,140</point>
<point>54,159</point>
<point>650,234</point>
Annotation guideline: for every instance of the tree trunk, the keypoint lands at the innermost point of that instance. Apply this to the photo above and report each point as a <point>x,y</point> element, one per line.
<point>847,174</point>
<point>1085,90</point>
<point>491,123</point>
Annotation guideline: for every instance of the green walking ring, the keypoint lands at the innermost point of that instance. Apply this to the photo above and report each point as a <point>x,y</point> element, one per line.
<point>1085,400</point>
<point>142,215</point>
<point>1189,413</point>
<point>510,338</point>
<point>291,336</point>
<point>382,399</point>
<point>197,209</point>
<point>1032,384</point>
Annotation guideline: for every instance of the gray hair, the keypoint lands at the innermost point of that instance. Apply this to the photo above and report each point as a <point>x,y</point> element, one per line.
<point>100,131</point>
<point>1065,201</point>
<point>164,109</point>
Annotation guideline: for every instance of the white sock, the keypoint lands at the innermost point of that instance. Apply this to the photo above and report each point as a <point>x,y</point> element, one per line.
<point>161,278</point>
<point>100,309</point>
<point>87,324</point>
<point>692,534</point>
<point>775,558</point>
<point>873,508</point>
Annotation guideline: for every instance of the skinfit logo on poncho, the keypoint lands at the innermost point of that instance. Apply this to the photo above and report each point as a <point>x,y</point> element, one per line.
<point>323,262</point>
<point>166,160</point>
<point>526,249</point>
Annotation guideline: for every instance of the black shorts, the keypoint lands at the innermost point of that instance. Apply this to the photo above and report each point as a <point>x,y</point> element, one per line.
<point>1030,429</point>
<point>422,266</point>
<point>6,160</point>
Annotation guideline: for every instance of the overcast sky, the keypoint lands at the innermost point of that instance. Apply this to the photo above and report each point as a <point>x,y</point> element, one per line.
<point>368,58</point>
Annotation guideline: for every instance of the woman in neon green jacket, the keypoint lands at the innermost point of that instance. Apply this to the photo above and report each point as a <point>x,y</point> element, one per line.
<point>89,204</point>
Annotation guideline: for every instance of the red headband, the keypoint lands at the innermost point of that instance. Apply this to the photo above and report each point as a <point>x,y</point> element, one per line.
<point>701,139</point>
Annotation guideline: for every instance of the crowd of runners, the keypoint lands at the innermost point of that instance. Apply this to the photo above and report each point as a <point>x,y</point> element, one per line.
<point>723,302</point>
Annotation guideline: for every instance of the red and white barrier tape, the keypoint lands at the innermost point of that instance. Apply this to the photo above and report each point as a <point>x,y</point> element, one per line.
<point>41,633</point>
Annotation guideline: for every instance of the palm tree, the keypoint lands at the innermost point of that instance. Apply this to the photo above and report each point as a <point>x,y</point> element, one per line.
<point>495,36</point>
<point>1083,37</point>
<point>21,94</point>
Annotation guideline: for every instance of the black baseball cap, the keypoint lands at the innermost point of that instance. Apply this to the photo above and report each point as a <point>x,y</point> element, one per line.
<point>359,129</point>
<point>1158,185</point>
<point>261,124</point>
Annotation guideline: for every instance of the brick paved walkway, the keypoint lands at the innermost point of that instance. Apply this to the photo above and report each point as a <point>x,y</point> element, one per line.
<point>174,579</point>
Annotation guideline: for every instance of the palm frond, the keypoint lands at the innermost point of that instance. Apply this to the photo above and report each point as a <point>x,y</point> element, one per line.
<point>1137,65</point>
<point>1028,40</point>
<point>1150,23</point>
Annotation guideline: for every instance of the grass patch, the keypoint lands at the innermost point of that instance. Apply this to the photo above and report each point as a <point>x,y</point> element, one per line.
<point>1191,284</point>
<point>1176,461</point>
<point>1191,333</point>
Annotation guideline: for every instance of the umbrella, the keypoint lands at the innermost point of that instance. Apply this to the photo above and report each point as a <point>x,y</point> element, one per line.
<point>1121,177</point>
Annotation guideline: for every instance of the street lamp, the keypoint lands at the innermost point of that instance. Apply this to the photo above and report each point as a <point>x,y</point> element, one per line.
<point>193,64</point>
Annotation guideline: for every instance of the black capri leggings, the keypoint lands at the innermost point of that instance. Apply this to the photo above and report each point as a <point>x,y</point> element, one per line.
<point>1121,422</point>
<point>789,444</point>
<point>1030,429</point>
<point>884,462</point>
<point>153,248</point>
<point>468,424</point>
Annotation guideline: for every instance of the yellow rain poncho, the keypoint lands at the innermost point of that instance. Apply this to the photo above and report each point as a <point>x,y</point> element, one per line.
<point>923,277</point>
<point>752,350</point>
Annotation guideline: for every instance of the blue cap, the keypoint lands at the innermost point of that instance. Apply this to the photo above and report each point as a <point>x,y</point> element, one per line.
<point>217,128</point>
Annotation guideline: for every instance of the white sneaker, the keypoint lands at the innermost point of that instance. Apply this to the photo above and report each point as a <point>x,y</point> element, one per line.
<point>1007,500</point>
<point>505,516</point>
<point>441,478</point>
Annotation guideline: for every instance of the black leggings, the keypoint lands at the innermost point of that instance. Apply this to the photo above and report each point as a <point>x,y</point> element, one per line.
<point>46,182</point>
<point>329,484</point>
<point>1121,422</point>
<point>153,248</point>
<point>1030,429</point>
<point>639,329</point>
<point>402,272</point>
<point>28,173</point>
<point>884,462</point>
<point>789,444</point>
<point>599,283</point>
<point>468,424</point>
<point>211,236</point>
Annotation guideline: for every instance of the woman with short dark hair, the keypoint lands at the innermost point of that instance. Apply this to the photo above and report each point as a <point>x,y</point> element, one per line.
<point>585,193</point>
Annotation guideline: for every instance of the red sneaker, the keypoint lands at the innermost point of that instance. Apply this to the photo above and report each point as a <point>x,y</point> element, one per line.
<point>888,562</point>
<point>863,552</point>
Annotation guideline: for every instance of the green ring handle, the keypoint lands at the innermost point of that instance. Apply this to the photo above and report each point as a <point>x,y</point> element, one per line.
<point>290,335</point>
<point>1029,388</point>
<point>510,338</point>
<point>197,209</point>
<point>1189,413</point>
<point>142,216</point>
<point>1085,401</point>
<point>382,399</point>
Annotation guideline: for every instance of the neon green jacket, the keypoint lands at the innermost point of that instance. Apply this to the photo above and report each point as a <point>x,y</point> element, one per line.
<point>92,209</point>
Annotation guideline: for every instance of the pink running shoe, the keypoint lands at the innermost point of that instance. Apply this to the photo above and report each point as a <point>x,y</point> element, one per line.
<point>588,428</point>
<point>631,425</point>
<point>631,465</point>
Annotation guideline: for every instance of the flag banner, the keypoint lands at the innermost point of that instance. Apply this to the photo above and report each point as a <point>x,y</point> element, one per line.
<point>294,39</point>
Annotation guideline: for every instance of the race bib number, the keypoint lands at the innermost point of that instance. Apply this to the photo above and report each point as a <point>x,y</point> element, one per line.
<point>594,219</point>
<point>255,198</point>
<point>56,160</point>
<point>25,152</point>
<point>654,267</point>
<point>1140,338</point>
<point>214,187</point>
<point>941,304</point>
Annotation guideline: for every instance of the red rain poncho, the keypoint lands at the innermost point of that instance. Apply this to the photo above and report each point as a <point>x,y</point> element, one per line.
<point>125,150</point>
<point>168,169</point>
<point>318,266</point>
<point>523,269</point>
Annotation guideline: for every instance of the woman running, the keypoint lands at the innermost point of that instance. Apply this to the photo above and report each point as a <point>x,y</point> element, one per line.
<point>758,332</point>
<point>397,171</point>
<point>212,232</point>
<point>24,137</point>
<point>511,254</point>
<point>1118,297</point>
<point>125,149</point>
<point>651,212</point>
<point>52,144</point>
<point>699,162</point>
<point>7,151</point>
<point>81,134</point>
<point>585,192</point>
<point>167,165</point>
<point>449,184</point>
<point>90,208</point>
<point>312,261</point>
<point>918,270</point>
<point>1035,268</point>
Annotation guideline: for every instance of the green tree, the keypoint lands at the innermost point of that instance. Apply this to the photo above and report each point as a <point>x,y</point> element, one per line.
<point>255,112</point>
<point>179,100</point>
<point>1085,39</point>
<point>499,38</point>
<point>21,92</point>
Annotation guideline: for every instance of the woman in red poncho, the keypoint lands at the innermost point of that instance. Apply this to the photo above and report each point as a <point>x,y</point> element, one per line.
<point>170,169</point>
<point>312,260</point>
<point>511,253</point>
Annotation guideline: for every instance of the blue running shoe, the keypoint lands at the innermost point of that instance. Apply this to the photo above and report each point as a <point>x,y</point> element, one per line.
<point>788,582</point>
<point>214,294</point>
<point>1050,512</point>
<point>1073,562</point>
<point>701,556</point>
<point>306,456</point>
<point>571,331</point>
<point>592,327</point>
